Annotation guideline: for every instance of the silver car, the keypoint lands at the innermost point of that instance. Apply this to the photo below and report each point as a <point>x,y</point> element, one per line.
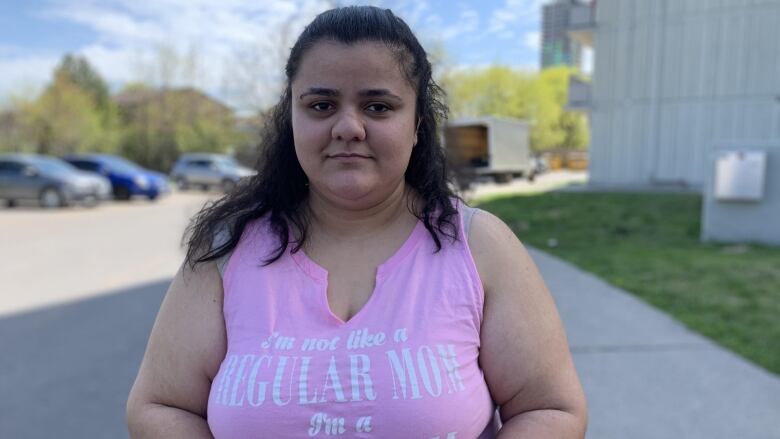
<point>51,181</point>
<point>208,170</point>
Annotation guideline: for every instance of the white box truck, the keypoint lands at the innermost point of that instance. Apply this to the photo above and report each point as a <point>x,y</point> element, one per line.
<point>490,146</point>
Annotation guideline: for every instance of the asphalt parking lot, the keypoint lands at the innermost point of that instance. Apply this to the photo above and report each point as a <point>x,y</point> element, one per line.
<point>50,257</point>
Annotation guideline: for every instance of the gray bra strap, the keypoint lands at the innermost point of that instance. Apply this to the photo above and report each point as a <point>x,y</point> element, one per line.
<point>220,238</point>
<point>468,214</point>
<point>222,263</point>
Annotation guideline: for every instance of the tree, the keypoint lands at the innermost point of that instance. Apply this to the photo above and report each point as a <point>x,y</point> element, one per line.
<point>80,73</point>
<point>64,119</point>
<point>160,124</point>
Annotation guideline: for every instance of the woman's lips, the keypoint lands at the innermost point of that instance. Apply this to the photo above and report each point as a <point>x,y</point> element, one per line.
<point>344,156</point>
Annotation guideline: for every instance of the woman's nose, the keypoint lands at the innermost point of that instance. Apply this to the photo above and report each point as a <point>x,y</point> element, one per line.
<point>348,127</point>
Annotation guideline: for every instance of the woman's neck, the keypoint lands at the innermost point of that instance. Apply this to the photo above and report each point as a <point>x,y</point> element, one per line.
<point>338,222</point>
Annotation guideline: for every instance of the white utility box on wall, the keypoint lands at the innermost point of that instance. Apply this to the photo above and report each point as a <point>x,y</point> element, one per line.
<point>740,175</point>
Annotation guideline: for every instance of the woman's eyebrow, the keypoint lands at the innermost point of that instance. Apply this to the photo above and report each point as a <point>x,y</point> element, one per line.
<point>370,93</point>
<point>320,91</point>
<point>378,92</point>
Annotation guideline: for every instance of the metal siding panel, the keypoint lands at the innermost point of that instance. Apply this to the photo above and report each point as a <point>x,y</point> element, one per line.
<point>627,147</point>
<point>601,122</point>
<point>671,66</point>
<point>635,142</point>
<point>665,141</point>
<point>642,10</point>
<point>698,49</point>
<point>776,123</point>
<point>759,120</point>
<point>731,66</point>
<point>724,126</point>
<point>700,141</point>
<point>711,56</point>
<point>646,115</point>
<point>603,66</point>
<point>622,64</point>
<point>614,144</point>
<point>774,66</point>
<point>606,11</point>
<point>620,152</point>
<point>724,55</point>
<point>687,57</point>
<point>685,151</point>
<point>741,53</point>
<point>766,59</point>
<point>597,147</point>
<point>753,43</point>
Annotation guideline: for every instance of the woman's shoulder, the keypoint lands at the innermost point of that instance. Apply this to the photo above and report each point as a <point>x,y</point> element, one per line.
<point>495,248</point>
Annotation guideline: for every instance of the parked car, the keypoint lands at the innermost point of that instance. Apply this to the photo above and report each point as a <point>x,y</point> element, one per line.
<point>127,178</point>
<point>51,181</point>
<point>208,170</point>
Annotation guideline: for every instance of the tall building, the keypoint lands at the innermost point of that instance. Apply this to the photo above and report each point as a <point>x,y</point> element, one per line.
<point>557,46</point>
<point>675,85</point>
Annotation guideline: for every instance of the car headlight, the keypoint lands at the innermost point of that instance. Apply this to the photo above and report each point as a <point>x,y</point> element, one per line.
<point>141,181</point>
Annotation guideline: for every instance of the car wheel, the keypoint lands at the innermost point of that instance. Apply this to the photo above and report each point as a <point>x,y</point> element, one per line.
<point>91,201</point>
<point>10,203</point>
<point>122,193</point>
<point>182,184</point>
<point>503,178</point>
<point>228,185</point>
<point>51,198</point>
<point>153,196</point>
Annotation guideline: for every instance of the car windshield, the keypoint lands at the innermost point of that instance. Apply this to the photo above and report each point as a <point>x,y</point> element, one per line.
<point>226,162</point>
<point>54,166</point>
<point>119,164</point>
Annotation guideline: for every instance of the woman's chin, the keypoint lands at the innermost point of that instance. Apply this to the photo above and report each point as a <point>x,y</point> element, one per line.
<point>353,189</point>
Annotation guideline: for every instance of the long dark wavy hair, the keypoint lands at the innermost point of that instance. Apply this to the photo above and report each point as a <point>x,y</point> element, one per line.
<point>280,187</point>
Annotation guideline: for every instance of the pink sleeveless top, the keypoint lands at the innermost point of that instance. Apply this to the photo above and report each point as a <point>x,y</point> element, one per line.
<point>405,366</point>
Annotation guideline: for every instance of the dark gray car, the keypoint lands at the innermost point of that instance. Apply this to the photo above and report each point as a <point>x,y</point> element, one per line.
<point>51,181</point>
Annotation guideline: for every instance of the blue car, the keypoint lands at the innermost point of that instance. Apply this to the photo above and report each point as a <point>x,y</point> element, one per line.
<point>127,178</point>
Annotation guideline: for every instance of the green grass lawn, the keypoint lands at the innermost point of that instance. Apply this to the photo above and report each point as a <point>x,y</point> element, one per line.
<point>648,244</point>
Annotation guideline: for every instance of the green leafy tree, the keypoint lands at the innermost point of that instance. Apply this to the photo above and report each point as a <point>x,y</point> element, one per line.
<point>160,124</point>
<point>64,119</point>
<point>81,73</point>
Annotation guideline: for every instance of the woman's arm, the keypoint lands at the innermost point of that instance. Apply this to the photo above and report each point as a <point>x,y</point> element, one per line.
<point>524,353</point>
<point>185,349</point>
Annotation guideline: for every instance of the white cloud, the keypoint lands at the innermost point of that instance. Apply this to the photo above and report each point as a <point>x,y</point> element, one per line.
<point>533,40</point>
<point>513,14</point>
<point>468,22</point>
<point>211,36</point>
<point>25,76</point>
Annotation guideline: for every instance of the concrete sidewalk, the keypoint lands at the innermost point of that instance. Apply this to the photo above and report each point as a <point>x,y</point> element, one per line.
<point>647,376</point>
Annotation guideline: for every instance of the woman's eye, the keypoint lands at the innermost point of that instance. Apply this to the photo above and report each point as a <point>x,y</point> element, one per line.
<point>321,106</point>
<point>378,108</point>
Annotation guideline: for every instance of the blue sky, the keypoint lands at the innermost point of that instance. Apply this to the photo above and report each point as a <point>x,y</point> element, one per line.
<point>234,45</point>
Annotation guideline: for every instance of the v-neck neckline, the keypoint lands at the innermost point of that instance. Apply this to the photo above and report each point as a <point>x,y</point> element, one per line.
<point>320,274</point>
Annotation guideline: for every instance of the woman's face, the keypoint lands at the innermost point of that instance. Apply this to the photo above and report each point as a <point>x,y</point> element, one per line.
<point>353,117</point>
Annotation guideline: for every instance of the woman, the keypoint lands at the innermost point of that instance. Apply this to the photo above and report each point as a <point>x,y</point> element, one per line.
<point>348,292</point>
